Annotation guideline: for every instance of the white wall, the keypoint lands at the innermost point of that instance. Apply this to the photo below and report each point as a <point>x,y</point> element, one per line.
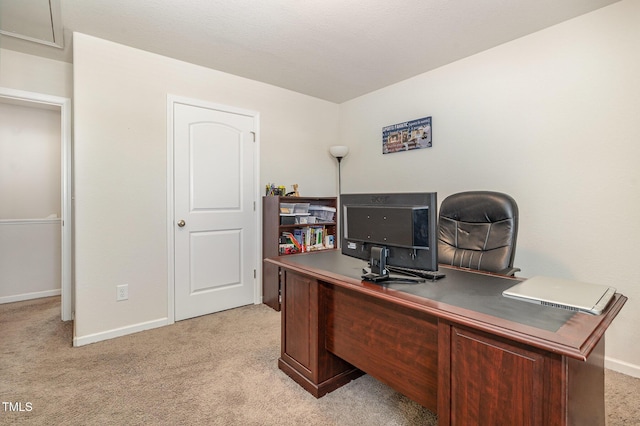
<point>552,119</point>
<point>35,74</point>
<point>30,150</point>
<point>30,259</point>
<point>121,166</point>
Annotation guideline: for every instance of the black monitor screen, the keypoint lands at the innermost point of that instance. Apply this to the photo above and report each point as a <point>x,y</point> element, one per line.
<point>403,225</point>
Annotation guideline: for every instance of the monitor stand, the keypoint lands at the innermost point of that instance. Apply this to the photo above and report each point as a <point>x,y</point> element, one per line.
<point>375,278</point>
<point>429,275</point>
<point>378,264</point>
<point>379,272</point>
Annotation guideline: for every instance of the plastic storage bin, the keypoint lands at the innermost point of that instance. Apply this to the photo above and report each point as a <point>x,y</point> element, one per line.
<point>323,213</point>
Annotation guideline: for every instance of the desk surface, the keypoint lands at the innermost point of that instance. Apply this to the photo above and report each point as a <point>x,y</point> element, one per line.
<point>471,298</point>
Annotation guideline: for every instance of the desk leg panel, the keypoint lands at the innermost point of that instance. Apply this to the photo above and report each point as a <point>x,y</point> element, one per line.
<point>303,355</point>
<point>444,373</point>
<point>292,369</point>
<point>585,388</point>
<point>271,285</point>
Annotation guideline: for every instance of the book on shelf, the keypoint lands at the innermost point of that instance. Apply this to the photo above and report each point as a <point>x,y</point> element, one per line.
<point>305,239</point>
<point>288,249</point>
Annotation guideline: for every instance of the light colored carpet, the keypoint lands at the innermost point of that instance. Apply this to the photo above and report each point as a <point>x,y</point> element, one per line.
<point>217,369</point>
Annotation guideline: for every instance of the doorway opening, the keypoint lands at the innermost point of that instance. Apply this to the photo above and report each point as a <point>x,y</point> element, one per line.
<point>61,106</point>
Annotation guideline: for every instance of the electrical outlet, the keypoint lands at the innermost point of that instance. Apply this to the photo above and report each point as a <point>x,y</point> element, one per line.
<point>122,292</point>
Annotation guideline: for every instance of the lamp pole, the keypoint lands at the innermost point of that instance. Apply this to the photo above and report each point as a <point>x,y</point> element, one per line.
<point>339,152</point>
<point>339,176</point>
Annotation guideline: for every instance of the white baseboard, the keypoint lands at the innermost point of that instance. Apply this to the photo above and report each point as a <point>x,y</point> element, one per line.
<point>119,332</point>
<point>622,367</point>
<point>29,296</point>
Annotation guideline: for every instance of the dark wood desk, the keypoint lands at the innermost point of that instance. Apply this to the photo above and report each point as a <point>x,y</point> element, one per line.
<point>456,346</point>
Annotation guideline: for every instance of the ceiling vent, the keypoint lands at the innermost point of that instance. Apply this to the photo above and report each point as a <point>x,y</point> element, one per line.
<point>38,21</point>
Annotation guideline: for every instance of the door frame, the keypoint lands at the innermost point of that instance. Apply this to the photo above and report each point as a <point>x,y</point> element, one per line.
<point>40,100</point>
<point>171,101</point>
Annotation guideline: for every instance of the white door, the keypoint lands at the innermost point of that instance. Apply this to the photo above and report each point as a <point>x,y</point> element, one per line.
<point>214,209</point>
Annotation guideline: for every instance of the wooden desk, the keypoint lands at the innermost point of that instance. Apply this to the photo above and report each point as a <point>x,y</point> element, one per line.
<point>456,346</point>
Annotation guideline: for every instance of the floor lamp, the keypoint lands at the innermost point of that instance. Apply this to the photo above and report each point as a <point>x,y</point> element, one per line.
<point>339,152</point>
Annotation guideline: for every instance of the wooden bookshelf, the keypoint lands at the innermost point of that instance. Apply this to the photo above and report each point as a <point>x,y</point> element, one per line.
<point>276,220</point>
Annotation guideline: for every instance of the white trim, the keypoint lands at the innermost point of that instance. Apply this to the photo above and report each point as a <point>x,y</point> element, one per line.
<point>170,218</point>
<point>64,104</point>
<point>29,221</point>
<point>68,292</point>
<point>33,97</point>
<point>119,332</point>
<point>31,39</point>
<point>211,105</point>
<point>622,367</point>
<point>29,296</point>
<point>257,296</point>
<point>171,101</point>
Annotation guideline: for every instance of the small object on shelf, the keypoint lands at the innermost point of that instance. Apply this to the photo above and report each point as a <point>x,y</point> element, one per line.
<point>304,220</point>
<point>272,190</point>
<point>287,208</point>
<point>293,193</point>
<point>301,208</point>
<point>294,213</point>
<point>329,241</point>
<point>323,213</point>
<point>294,208</point>
<point>287,220</point>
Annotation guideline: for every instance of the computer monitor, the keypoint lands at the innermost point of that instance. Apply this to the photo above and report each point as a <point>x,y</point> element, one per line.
<point>394,232</point>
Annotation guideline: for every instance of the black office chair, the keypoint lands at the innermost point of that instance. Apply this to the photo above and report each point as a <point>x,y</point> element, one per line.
<point>478,230</point>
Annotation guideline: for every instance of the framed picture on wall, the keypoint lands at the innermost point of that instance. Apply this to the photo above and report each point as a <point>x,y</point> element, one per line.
<point>414,134</point>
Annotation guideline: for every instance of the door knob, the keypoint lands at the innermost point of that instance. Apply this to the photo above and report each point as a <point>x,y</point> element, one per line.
<point>181,223</point>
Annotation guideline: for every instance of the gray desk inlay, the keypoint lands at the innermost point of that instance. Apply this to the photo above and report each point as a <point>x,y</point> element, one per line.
<point>476,292</point>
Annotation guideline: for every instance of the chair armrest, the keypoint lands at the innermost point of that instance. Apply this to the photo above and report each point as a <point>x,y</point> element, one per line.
<point>509,271</point>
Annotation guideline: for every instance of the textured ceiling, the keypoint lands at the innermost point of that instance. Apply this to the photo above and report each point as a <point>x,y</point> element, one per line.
<point>331,49</point>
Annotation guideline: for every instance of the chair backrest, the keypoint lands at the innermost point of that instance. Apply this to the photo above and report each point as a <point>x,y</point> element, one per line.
<point>478,230</point>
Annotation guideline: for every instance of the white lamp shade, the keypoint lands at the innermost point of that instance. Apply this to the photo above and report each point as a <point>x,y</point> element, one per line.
<point>339,151</point>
